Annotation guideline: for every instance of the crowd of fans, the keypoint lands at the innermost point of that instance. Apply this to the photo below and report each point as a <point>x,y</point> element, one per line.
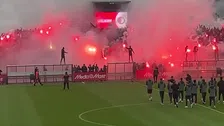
<point>207,35</point>
<point>90,68</point>
<point>17,35</point>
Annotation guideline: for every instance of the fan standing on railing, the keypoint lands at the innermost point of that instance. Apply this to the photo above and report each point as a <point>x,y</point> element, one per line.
<point>63,52</point>
<point>130,52</point>
<point>195,53</point>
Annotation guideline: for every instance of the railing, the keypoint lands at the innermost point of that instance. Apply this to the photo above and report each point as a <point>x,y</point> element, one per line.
<point>200,68</point>
<point>48,73</point>
<point>54,73</point>
<point>120,71</point>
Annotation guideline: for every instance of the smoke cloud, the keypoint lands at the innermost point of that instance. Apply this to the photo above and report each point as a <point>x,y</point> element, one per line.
<point>162,26</point>
<point>158,28</point>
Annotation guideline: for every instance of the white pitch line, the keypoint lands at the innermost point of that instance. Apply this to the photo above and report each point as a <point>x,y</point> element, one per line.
<point>104,108</point>
<point>214,110</point>
<point>126,105</point>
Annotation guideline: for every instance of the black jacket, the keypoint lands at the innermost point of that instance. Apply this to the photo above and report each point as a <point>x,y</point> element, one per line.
<point>221,85</point>
<point>175,88</point>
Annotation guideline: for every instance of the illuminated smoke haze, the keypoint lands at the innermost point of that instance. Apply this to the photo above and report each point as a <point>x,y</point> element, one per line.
<point>158,28</point>
<point>162,26</point>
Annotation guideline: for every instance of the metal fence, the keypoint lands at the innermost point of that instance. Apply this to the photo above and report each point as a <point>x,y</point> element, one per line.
<point>17,74</point>
<point>120,71</point>
<point>206,68</point>
<point>48,73</point>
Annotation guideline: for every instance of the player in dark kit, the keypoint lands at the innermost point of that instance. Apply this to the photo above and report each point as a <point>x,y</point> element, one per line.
<point>149,84</point>
<point>203,88</point>
<point>181,85</point>
<point>188,95</point>
<point>130,52</point>
<point>221,89</point>
<point>63,52</point>
<point>199,84</point>
<point>155,74</point>
<point>175,88</point>
<point>212,95</point>
<point>66,80</point>
<point>37,77</point>
<point>216,91</point>
<point>194,91</point>
<point>211,82</point>
<point>170,91</point>
<point>161,86</point>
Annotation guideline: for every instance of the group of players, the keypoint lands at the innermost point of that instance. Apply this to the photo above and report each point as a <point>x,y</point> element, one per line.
<point>190,88</point>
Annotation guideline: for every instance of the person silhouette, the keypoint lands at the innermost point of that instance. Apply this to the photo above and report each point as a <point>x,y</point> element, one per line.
<point>63,52</point>
<point>130,52</point>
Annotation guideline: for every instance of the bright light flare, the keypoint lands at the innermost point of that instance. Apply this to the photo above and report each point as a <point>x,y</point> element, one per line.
<point>214,40</point>
<point>41,31</point>
<point>188,50</point>
<point>49,27</point>
<point>47,32</point>
<point>172,65</point>
<point>124,45</point>
<point>76,38</point>
<point>2,38</point>
<point>213,47</point>
<point>7,36</point>
<point>51,47</point>
<point>147,65</point>
<point>199,45</point>
<point>91,50</point>
<point>105,58</point>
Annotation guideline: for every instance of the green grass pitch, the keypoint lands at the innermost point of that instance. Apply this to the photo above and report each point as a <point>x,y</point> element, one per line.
<point>102,104</point>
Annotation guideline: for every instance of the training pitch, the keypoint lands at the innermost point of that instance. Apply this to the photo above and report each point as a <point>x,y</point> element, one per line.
<point>96,103</point>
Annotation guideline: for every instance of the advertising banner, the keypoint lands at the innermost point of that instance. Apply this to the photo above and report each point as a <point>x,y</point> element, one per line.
<point>104,19</point>
<point>90,76</point>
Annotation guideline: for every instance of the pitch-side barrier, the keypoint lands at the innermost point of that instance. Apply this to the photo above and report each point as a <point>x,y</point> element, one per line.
<point>206,68</point>
<point>48,73</point>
